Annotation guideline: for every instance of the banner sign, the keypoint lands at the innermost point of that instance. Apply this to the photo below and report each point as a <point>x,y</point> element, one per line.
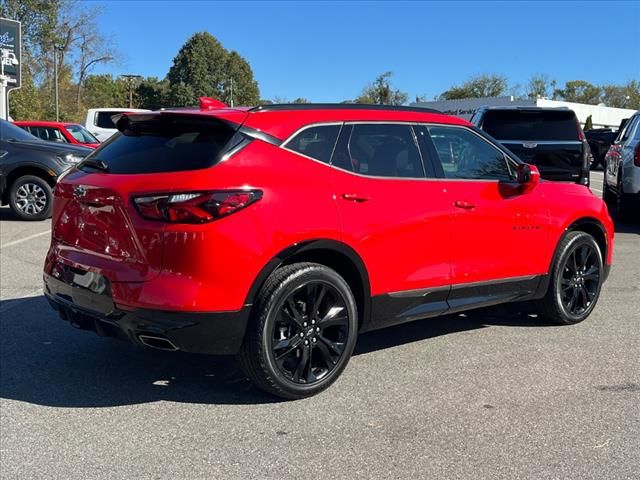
<point>10,48</point>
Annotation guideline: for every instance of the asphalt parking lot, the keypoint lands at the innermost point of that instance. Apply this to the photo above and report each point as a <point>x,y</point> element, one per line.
<point>494,394</point>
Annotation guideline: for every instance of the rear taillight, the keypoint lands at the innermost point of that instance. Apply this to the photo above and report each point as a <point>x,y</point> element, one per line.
<point>636,156</point>
<point>195,207</point>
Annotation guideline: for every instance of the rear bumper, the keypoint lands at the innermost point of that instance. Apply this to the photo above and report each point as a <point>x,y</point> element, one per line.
<point>90,307</point>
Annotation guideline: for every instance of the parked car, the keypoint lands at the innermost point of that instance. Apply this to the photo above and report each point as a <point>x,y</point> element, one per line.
<point>99,122</point>
<point>600,139</point>
<point>550,138</point>
<point>60,132</point>
<point>29,168</point>
<point>280,232</point>
<point>622,172</point>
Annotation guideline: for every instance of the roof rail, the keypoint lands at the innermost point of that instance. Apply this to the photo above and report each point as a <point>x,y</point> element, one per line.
<point>339,106</point>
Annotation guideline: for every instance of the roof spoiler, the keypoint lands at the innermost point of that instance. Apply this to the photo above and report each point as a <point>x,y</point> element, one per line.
<point>208,103</point>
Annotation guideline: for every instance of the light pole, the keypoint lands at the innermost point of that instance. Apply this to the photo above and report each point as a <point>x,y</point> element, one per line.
<point>56,49</point>
<point>6,58</point>
<point>130,80</point>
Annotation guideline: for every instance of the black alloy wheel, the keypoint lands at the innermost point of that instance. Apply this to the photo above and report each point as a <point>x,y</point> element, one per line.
<point>310,333</point>
<point>302,331</point>
<point>576,279</point>
<point>580,279</point>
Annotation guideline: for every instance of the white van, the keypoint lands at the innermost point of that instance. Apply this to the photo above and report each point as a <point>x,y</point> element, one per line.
<point>99,121</point>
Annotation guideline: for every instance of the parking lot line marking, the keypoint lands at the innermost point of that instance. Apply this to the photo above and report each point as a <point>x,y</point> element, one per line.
<point>596,190</point>
<point>25,239</point>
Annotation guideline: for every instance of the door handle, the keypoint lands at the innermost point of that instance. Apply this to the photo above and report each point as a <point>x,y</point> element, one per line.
<point>354,197</point>
<point>465,205</point>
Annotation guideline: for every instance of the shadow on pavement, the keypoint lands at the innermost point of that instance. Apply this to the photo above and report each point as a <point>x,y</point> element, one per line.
<point>46,362</point>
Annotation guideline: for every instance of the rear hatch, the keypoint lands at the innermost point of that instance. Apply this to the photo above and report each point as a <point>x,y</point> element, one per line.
<point>95,224</point>
<point>550,139</point>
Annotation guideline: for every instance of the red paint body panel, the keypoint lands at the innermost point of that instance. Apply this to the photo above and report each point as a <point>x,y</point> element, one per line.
<point>408,233</point>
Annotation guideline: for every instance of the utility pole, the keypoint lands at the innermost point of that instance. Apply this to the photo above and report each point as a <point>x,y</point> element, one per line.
<point>231,103</point>
<point>131,81</point>
<point>56,49</point>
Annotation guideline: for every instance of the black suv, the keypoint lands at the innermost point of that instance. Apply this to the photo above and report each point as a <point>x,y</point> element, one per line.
<point>550,138</point>
<point>29,169</point>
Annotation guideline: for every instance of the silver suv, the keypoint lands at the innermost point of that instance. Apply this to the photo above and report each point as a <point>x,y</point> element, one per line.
<point>622,172</point>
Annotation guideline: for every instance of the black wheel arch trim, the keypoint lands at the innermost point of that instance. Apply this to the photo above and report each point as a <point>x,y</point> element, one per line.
<point>581,222</point>
<point>317,246</point>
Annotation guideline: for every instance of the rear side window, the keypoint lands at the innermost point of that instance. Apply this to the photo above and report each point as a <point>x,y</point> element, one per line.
<point>165,143</point>
<point>544,125</point>
<point>103,119</point>
<point>315,142</point>
<point>380,150</point>
<point>465,155</point>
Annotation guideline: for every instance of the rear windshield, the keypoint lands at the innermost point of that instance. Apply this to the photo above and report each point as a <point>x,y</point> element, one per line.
<point>103,119</point>
<point>164,144</point>
<point>531,125</point>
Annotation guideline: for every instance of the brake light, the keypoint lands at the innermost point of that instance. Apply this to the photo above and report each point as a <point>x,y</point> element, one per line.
<point>195,207</point>
<point>636,156</point>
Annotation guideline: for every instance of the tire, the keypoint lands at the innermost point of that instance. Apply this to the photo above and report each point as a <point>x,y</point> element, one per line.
<point>595,159</point>
<point>573,290</point>
<point>623,207</point>
<point>282,336</point>
<point>608,196</point>
<point>31,198</point>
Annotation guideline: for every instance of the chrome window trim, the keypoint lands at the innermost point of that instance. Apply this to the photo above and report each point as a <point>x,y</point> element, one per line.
<point>543,142</point>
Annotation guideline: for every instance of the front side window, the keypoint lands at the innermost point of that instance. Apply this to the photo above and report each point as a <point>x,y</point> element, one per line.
<point>315,142</point>
<point>379,150</point>
<point>465,155</point>
<point>54,135</point>
<point>9,131</point>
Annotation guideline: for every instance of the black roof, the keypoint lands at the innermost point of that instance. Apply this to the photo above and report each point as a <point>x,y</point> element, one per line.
<point>339,106</point>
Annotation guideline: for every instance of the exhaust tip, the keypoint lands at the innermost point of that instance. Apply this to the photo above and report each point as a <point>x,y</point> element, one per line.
<point>159,343</point>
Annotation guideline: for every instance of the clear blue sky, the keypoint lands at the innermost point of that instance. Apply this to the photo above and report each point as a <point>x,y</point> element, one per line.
<point>327,51</point>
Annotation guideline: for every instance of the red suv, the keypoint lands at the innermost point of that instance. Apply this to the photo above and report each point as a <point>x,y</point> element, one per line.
<point>61,132</point>
<point>280,232</point>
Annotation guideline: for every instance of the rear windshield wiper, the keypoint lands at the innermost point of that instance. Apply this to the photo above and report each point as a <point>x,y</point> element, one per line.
<point>97,164</point>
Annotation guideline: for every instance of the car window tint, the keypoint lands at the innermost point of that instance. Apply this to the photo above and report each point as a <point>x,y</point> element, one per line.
<point>316,142</point>
<point>465,155</point>
<point>103,119</point>
<point>380,150</point>
<point>55,135</point>
<point>549,125</point>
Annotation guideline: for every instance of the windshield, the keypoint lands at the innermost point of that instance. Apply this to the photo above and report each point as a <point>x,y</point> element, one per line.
<point>81,134</point>
<point>538,125</point>
<point>8,131</point>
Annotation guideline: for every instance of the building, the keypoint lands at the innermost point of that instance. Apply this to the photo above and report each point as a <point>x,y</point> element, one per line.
<point>601,116</point>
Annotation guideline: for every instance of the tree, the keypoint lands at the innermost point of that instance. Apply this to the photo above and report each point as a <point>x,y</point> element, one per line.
<point>101,91</point>
<point>152,93</point>
<point>580,91</point>
<point>540,86</point>
<point>477,87</point>
<point>381,92</point>
<point>245,88</point>
<point>199,70</point>
<point>622,96</point>
<point>588,123</point>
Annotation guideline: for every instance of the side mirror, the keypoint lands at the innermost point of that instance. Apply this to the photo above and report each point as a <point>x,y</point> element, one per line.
<point>528,176</point>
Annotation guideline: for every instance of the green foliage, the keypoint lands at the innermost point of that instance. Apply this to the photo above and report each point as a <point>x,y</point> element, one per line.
<point>104,91</point>
<point>540,86</point>
<point>588,124</point>
<point>244,88</point>
<point>480,86</point>
<point>152,93</point>
<point>381,92</point>
<point>24,103</point>
<point>622,96</point>
<point>579,91</point>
